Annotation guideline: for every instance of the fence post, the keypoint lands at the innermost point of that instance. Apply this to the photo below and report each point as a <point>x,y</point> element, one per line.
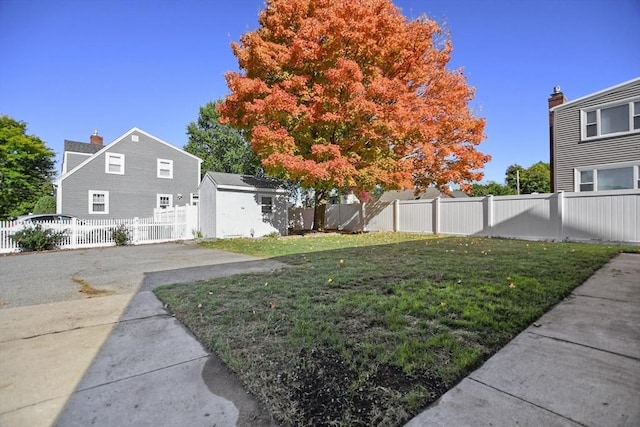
<point>74,232</point>
<point>560,214</point>
<point>174,234</point>
<point>136,231</point>
<point>396,215</point>
<point>436,215</point>
<point>489,215</point>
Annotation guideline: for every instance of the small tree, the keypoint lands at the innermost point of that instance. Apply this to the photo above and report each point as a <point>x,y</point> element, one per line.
<point>534,179</point>
<point>45,205</point>
<point>26,168</point>
<point>493,188</point>
<point>221,147</point>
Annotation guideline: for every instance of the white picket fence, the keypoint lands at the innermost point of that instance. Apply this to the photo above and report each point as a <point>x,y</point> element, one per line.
<point>171,224</point>
<point>603,216</point>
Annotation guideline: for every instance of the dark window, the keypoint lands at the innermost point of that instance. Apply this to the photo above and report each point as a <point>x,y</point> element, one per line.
<point>267,204</point>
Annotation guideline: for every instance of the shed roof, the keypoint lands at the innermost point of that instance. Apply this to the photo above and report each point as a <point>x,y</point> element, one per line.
<point>244,181</point>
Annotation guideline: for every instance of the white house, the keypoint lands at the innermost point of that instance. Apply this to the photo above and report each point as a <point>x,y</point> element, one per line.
<point>234,205</point>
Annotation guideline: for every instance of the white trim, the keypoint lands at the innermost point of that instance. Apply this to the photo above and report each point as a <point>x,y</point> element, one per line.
<point>620,165</point>
<point>161,162</point>
<point>251,189</point>
<point>159,196</point>
<point>58,198</point>
<point>600,92</point>
<point>106,202</point>
<point>597,109</point>
<point>107,162</point>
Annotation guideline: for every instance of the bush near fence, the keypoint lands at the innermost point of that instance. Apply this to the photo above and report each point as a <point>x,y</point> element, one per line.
<point>166,225</point>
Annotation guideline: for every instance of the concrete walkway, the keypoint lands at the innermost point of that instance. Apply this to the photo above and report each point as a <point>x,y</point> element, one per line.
<point>117,360</point>
<point>578,365</point>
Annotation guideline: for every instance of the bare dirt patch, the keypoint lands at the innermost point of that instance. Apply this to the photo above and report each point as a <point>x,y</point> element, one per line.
<point>89,291</point>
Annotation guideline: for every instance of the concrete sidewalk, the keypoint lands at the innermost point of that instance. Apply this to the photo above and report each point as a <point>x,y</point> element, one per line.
<point>151,371</point>
<point>118,359</point>
<point>44,353</point>
<point>578,365</point>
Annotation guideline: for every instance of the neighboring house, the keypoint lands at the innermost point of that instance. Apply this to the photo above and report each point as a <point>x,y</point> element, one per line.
<point>234,205</point>
<point>595,140</point>
<point>128,178</point>
<point>429,193</point>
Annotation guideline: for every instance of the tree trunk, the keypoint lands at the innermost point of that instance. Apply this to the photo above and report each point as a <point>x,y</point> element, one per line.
<point>319,211</point>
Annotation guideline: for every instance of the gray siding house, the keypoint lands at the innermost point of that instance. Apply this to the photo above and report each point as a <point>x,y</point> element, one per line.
<point>127,178</point>
<point>595,140</point>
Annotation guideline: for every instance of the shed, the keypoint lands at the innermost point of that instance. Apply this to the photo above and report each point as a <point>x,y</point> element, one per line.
<point>233,205</point>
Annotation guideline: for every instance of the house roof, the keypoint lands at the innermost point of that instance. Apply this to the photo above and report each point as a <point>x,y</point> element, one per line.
<point>600,92</point>
<point>242,182</point>
<point>103,148</point>
<point>429,193</point>
<point>81,147</point>
<point>458,194</point>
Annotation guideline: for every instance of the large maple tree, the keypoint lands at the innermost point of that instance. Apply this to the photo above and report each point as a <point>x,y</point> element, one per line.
<point>352,94</point>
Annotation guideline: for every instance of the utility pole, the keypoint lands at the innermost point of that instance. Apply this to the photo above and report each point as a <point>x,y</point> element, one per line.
<point>518,180</point>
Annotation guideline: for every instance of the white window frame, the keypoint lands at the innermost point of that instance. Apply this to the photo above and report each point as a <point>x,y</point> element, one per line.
<point>597,109</point>
<point>106,202</point>
<point>595,168</point>
<point>160,196</point>
<point>168,163</point>
<point>266,208</point>
<point>120,161</point>
<point>194,199</point>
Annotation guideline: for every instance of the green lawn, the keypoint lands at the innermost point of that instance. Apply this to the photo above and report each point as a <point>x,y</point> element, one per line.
<point>369,329</point>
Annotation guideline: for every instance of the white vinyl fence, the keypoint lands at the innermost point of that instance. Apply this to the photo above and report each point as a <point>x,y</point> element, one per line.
<point>604,216</point>
<point>178,223</point>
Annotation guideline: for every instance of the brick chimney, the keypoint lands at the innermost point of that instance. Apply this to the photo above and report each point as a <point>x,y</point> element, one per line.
<point>95,138</point>
<point>555,99</point>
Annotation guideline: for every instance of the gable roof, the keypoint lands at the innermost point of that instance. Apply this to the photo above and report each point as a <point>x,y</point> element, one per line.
<point>81,147</point>
<point>600,92</point>
<point>102,149</point>
<point>232,181</point>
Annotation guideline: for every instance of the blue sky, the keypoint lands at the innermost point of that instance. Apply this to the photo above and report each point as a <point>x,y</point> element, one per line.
<point>68,67</point>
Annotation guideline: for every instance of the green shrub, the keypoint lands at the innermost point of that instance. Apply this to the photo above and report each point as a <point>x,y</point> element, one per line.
<point>36,238</point>
<point>121,235</point>
<point>45,205</point>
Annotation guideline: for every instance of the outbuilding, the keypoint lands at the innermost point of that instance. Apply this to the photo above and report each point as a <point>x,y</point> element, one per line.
<point>233,205</point>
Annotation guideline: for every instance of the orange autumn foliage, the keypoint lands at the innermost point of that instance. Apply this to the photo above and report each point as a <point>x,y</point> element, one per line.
<point>349,93</point>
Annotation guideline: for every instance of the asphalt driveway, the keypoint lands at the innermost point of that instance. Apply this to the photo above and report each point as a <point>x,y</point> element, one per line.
<point>69,357</point>
<point>40,278</point>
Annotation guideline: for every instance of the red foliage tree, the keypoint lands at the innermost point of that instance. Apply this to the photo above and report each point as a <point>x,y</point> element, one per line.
<point>351,94</point>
